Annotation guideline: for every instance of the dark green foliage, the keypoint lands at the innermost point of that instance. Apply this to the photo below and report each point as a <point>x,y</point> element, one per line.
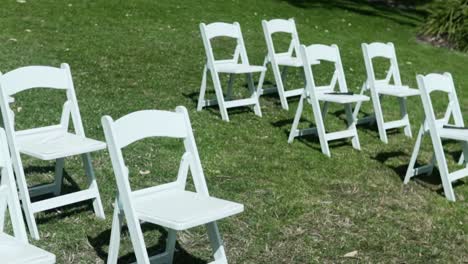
<point>448,19</point>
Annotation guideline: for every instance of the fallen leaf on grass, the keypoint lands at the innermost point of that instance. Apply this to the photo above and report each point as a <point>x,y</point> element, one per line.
<point>144,172</point>
<point>351,254</point>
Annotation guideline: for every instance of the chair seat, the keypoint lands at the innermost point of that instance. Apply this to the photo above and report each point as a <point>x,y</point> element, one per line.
<point>454,133</point>
<point>13,251</point>
<point>398,91</point>
<point>286,60</point>
<point>289,61</point>
<point>55,143</point>
<point>238,68</point>
<point>180,210</point>
<point>342,98</point>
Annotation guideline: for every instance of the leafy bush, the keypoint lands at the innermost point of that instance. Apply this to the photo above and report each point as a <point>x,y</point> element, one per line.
<point>448,20</point>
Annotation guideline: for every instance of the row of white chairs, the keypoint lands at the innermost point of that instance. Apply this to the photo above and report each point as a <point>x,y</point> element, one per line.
<point>169,205</point>
<point>301,56</point>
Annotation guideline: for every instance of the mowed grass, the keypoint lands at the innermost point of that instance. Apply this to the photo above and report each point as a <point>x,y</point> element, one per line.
<point>300,206</point>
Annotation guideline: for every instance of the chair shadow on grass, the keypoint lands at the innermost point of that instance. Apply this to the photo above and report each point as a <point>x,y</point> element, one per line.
<point>180,256</point>
<point>67,210</point>
<point>431,181</point>
<point>311,141</point>
<point>214,110</point>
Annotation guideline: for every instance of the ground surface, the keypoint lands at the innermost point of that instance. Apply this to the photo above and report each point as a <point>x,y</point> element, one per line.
<point>300,206</point>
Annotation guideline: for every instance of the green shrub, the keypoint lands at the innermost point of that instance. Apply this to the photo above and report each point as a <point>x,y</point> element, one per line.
<point>448,20</point>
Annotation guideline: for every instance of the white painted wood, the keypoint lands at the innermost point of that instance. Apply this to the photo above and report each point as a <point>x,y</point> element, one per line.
<point>16,81</point>
<point>130,128</point>
<point>390,86</point>
<point>239,64</point>
<point>221,29</point>
<point>16,252</point>
<point>326,94</point>
<point>15,249</point>
<point>438,131</point>
<point>54,142</point>
<point>283,59</point>
<point>169,205</point>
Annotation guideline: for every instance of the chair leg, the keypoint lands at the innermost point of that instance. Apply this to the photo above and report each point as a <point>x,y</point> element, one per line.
<point>280,85</point>
<point>443,168</point>
<point>201,97</point>
<point>464,154</point>
<point>414,156</point>
<point>3,207</point>
<point>446,184</point>
<point>219,95</point>
<point>114,244</point>
<point>379,116</point>
<point>404,116</point>
<point>59,165</point>
<point>359,104</point>
<point>12,201</point>
<point>262,78</point>
<point>320,128</point>
<point>253,91</point>
<point>230,83</point>
<point>138,242</point>
<point>325,110</point>
<point>97,204</point>
<point>297,117</point>
<point>352,126</point>
<point>216,243</point>
<point>24,197</point>
<point>170,244</point>
<point>462,159</point>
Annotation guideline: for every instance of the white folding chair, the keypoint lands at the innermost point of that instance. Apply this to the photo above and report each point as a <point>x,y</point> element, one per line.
<point>239,64</point>
<point>53,142</point>
<point>327,94</point>
<point>15,249</point>
<point>379,88</point>
<point>169,205</point>
<point>290,58</point>
<point>440,129</point>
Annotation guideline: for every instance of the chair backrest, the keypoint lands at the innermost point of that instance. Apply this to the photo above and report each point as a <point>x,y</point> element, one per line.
<point>382,50</point>
<point>221,29</point>
<point>319,52</point>
<point>285,26</point>
<point>8,193</point>
<point>153,123</point>
<point>442,83</point>
<point>33,77</point>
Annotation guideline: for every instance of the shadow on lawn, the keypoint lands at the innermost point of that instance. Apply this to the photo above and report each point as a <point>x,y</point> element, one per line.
<point>431,181</point>
<point>401,11</point>
<point>71,187</point>
<point>214,110</point>
<point>180,255</point>
<point>311,141</point>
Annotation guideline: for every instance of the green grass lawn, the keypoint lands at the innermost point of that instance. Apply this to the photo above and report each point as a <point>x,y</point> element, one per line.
<point>300,206</point>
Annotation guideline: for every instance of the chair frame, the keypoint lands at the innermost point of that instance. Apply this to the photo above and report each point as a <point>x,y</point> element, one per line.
<point>8,195</point>
<point>56,78</point>
<point>269,28</point>
<point>386,51</point>
<point>314,94</point>
<point>121,133</point>
<point>435,128</point>
<point>9,199</point>
<point>220,29</point>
